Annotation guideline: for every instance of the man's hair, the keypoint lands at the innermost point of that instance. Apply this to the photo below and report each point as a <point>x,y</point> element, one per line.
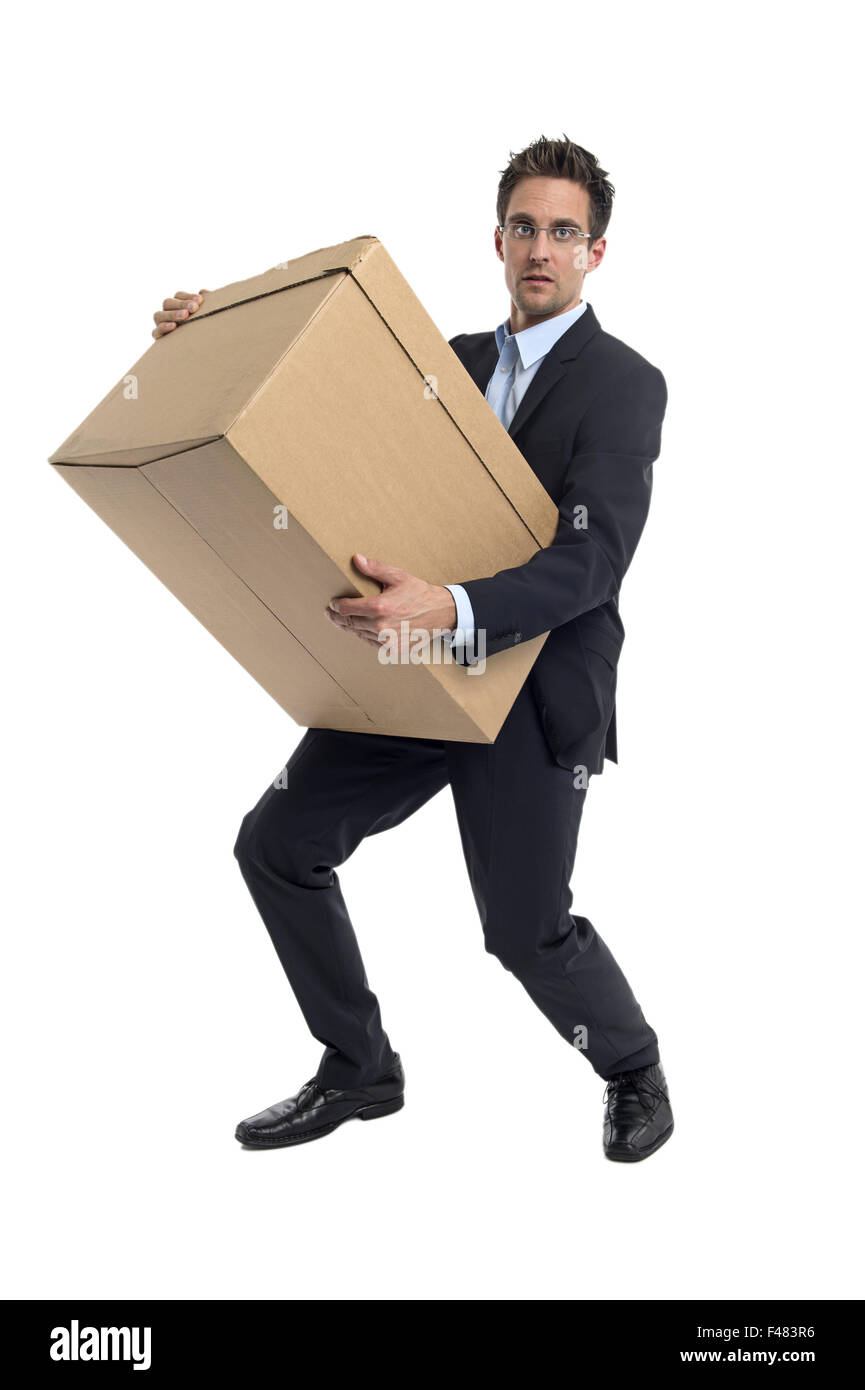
<point>560,159</point>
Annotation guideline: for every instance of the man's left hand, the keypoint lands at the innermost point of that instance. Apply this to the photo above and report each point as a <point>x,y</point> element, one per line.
<point>404,598</point>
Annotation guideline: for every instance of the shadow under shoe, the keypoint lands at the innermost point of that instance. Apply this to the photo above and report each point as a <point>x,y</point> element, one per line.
<point>315,1111</point>
<point>638,1117</point>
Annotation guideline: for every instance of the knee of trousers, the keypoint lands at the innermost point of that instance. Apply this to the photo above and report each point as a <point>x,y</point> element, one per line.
<point>241,844</point>
<point>258,847</point>
<point>508,953</point>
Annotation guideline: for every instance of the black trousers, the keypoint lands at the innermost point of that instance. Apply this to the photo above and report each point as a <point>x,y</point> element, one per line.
<point>518,813</point>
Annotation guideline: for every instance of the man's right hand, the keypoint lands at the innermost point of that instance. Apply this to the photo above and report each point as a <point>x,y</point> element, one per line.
<point>176,311</point>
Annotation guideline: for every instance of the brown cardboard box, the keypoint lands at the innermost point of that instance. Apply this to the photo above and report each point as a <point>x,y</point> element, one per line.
<point>301,416</point>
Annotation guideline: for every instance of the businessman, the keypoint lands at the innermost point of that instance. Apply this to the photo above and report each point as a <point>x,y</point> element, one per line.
<point>586,412</point>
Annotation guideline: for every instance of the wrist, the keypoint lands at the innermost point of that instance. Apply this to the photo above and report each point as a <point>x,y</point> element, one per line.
<point>449,606</point>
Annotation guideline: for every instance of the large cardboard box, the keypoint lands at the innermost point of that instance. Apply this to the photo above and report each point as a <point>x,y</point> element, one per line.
<point>299,417</point>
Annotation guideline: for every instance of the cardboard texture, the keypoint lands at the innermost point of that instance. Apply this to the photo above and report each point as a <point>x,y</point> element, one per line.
<point>320,395</point>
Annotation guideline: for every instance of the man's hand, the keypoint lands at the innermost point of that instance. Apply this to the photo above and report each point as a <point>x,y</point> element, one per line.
<point>404,598</point>
<point>176,311</point>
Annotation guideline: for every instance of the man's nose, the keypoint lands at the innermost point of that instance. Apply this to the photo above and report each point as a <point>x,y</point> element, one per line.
<point>540,250</point>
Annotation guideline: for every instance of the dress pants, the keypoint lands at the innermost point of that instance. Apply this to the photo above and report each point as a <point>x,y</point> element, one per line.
<point>518,813</point>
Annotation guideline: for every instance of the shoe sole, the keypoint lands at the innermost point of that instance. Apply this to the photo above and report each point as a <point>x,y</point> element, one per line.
<point>622,1157</point>
<point>369,1112</point>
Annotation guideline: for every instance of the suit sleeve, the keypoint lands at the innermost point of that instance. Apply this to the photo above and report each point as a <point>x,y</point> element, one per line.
<point>603,510</point>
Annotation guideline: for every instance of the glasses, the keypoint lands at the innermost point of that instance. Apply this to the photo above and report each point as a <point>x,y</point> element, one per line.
<point>527,231</point>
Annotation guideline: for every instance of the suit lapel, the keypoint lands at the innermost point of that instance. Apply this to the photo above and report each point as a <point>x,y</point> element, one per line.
<point>483,366</point>
<point>552,369</point>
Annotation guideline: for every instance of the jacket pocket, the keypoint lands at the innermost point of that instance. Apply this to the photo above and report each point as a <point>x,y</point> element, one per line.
<point>598,636</point>
<point>600,653</point>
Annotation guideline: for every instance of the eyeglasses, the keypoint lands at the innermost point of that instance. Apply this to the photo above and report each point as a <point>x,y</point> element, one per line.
<point>527,231</point>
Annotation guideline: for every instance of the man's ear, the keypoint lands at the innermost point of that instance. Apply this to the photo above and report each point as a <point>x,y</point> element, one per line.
<point>596,255</point>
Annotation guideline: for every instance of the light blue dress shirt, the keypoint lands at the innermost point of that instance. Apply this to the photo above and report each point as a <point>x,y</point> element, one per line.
<point>520,356</point>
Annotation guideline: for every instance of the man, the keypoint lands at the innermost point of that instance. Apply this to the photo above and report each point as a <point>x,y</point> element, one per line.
<point>586,411</point>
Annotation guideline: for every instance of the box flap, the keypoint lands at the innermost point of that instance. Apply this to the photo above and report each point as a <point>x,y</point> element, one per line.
<point>391,295</point>
<point>328,260</point>
<point>188,387</point>
<point>366,261</point>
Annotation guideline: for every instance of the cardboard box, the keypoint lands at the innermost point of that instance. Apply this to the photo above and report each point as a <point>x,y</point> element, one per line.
<point>301,416</point>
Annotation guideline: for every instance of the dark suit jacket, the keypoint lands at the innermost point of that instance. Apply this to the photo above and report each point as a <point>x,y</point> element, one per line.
<point>590,427</point>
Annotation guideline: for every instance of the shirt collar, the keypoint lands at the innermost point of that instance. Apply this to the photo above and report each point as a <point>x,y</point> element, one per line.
<point>536,340</point>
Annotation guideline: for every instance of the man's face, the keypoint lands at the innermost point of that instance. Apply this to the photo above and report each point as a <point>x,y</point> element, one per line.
<point>545,278</point>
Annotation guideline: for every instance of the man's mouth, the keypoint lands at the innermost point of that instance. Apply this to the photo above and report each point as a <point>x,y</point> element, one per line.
<point>540,279</point>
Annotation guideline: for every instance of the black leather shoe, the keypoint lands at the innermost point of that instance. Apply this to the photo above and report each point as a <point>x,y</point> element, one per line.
<point>638,1118</point>
<point>314,1112</point>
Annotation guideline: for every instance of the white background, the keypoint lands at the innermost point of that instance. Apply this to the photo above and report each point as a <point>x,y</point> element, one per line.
<point>144,1010</point>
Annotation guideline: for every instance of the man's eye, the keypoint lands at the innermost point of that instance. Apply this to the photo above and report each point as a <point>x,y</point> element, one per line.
<point>565,233</point>
<point>523,229</point>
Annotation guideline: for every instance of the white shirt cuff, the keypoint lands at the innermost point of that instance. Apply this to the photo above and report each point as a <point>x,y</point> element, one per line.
<point>465,624</point>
